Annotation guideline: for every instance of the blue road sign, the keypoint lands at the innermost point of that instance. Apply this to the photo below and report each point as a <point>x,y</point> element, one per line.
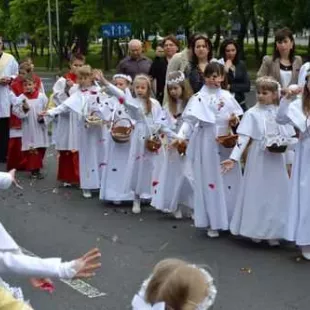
<point>116,30</point>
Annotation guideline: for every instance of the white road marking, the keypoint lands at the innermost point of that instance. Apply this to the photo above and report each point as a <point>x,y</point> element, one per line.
<point>78,285</point>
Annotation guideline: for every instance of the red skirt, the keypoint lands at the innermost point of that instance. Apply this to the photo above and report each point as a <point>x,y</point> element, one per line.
<point>68,167</point>
<point>16,158</point>
<point>34,159</point>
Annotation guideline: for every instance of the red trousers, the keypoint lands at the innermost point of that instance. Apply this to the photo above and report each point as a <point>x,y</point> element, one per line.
<point>16,158</point>
<point>68,167</point>
<point>34,158</point>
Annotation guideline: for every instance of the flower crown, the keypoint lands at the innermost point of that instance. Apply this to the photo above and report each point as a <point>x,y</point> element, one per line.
<point>267,79</point>
<point>122,76</point>
<point>139,302</point>
<point>177,80</point>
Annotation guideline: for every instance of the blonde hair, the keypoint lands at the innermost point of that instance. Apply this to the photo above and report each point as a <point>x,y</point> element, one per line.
<point>268,83</point>
<point>85,71</point>
<point>187,91</point>
<point>148,102</point>
<point>178,284</point>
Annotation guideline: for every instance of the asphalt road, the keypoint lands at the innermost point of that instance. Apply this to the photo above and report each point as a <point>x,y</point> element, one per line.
<point>52,221</point>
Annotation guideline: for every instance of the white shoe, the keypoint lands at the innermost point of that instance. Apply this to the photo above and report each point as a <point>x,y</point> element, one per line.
<point>305,250</point>
<point>65,184</point>
<point>274,242</point>
<point>136,209</point>
<point>213,233</point>
<point>178,214</point>
<point>117,203</point>
<point>256,240</point>
<point>86,193</point>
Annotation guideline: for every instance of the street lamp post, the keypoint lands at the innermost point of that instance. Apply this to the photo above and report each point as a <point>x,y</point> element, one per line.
<point>50,33</point>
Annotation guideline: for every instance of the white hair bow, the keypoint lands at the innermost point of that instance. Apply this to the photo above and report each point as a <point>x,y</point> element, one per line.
<point>138,303</point>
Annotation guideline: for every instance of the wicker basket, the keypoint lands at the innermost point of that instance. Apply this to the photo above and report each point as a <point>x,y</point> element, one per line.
<point>153,144</point>
<point>274,148</point>
<point>228,141</point>
<point>93,120</point>
<point>121,130</point>
<point>182,148</point>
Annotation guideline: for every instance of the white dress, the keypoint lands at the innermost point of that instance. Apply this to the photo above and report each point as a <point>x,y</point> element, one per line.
<point>172,188</point>
<point>66,130</point>
<point>200,115</point>
<point>140,164</point>
<point>34,134</point>
<point>117,157</point>
<point>91,139</point>
<point>262,205</point>
<point>298,217</point>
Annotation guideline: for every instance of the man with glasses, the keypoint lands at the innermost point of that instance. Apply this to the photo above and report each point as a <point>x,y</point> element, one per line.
<point>8,70</point>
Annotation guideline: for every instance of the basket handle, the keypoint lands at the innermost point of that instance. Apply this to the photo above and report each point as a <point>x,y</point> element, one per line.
<point>115,122</point>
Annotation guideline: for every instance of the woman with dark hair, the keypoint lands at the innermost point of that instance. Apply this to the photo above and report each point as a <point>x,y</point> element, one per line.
<point>237,75</point>
<point>159,66</point>
<point>283,65</point>
<point>201,56</point>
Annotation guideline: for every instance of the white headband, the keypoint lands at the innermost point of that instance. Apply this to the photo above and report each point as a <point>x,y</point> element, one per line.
<point>139,302</point>
<point>178,80</point>
<point>122,76</point>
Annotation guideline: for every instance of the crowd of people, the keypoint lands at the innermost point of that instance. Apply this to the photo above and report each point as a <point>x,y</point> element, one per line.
<point>178,133</point>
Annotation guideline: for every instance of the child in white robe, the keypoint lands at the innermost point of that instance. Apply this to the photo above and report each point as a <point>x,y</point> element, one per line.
<point>117,157</point>
<point>172,189</point>
<point>200,116</point>
<point>66,131</point>
<point>262,205</point>
<point>28,107</point>
<point>86,102</point>
<point>296,112</point>
<point>176,284</point>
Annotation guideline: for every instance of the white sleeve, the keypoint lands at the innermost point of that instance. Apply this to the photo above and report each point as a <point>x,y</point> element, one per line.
<point>239,148</point>
<point>17,107</point>
<point>282,117</point>
<point>115,91</point>
<point>35,266</point>
<point>5,180</point>
<point>62,108</point>
<point>302,74</point>
<point>186,129</point>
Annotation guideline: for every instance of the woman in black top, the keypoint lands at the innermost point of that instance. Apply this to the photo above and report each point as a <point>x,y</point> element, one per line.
<point>237,75</point>
<point>160,64</point>
<point>201,56</point>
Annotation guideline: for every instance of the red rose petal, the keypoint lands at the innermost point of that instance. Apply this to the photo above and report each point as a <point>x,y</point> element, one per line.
<point>212,186</point>
<point>48,287</point>
<point>155,183</point>
<point>121,100</point>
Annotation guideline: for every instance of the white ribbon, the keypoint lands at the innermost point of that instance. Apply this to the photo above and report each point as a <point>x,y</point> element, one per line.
<point>138,303</point>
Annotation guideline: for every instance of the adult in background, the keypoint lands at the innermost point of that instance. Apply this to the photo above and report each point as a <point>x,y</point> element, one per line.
<point>136,62</point>
<point>159,66</point>
<point>237,75</point>
<point>283,65</point>
<point>8,71</point>
<point>201,47</point>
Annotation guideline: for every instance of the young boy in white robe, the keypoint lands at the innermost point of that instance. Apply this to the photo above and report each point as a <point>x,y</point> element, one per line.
<point>296,111</point>
<point>200,118</point>
<point>86,102</point>
<point>28,108</point>
<point>262,204</point>
<point>66,135</point>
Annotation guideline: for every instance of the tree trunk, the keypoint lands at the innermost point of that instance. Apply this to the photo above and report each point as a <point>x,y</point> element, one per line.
<point>266,34</point>
<point>82,33</point>
<point>243,27</point>
<point>254,24</point>
<point>217,38</point>
<point>16,50</point>
<point>11,48</point>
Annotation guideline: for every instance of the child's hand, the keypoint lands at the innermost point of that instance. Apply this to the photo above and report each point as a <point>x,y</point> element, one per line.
<point>175,143</point>
<point>87,264</point>
<point>98,75</point>
<point>13,173</point>
<point>233,120</point>
<point>43,113</point>
<point>5,81</point>
<point>227,165</point>
<point>69,83</point>
<point>44,284</point>
<point>25,106</point>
